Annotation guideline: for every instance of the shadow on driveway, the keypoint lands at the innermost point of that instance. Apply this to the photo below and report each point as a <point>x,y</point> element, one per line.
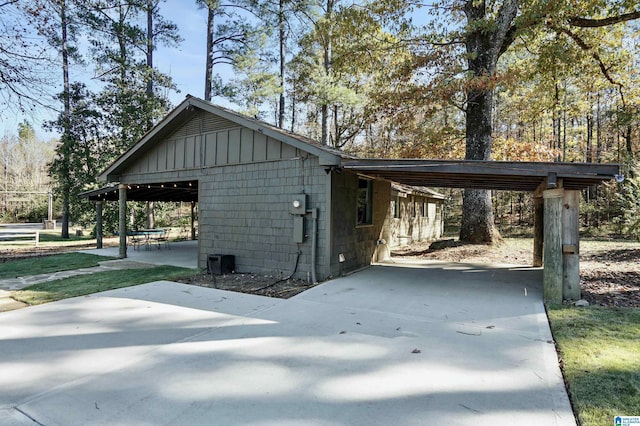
<point>411,344</point>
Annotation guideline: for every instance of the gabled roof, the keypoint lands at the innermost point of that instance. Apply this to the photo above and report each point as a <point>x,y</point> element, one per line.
<point>185,111</point>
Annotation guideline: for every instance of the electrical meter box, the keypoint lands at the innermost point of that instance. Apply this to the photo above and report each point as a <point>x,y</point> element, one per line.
<point>299,204</point>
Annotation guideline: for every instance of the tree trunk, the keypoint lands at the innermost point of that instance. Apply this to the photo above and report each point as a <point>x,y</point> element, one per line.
<point>324,110</point>
<point>208,79</point>
<point>477,216</point>
<point>589,155</point>
<point>66,186</point>
<point>628,142</point>
<point>150,9</point>
<point>484,45</point>
<point>151,5</point>
<point>598,131</point>
<point>281,39</point>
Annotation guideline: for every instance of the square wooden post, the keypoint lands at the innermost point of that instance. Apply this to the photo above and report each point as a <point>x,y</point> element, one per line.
<point>553,267</point>
<point>122,219</point>
<point>538,231</point>
<point>99,224</point>
<point>571,245</point>
<point>193,220</point>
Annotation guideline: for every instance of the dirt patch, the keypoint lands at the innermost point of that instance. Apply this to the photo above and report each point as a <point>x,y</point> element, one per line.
<point>611,277</point>
<point>259,284</point>
<point>17,253</point>
<point>512,251</point>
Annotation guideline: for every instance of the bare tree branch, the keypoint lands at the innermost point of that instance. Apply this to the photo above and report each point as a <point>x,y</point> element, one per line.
<point>8,2</point>
<point>594,54</point>
<point>595,23</point>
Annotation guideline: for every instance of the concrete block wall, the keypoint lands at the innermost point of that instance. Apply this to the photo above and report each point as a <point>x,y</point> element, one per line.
<point>245,212</point>
<point>356,242</point>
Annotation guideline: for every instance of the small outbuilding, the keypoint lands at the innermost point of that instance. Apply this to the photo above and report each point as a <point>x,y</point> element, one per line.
<point>415,214</point>
<point>276,201</point>
<point>283,204</point>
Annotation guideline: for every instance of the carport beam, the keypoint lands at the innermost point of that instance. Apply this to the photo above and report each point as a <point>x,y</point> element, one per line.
<point>122,219</point>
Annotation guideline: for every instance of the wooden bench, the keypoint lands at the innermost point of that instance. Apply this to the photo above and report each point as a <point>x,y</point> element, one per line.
<point>20,236</point>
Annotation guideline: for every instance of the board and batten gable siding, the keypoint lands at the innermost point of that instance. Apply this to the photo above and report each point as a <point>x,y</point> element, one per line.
<point>208,141</point>
<point>245,212</point>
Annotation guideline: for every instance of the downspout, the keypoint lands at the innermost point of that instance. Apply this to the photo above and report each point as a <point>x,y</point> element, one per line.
<point>314,244</point>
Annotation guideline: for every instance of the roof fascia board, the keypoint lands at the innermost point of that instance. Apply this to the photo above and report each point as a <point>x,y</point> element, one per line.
<point>325,158</point>
<point>105,176</point>
<point>485,167</point>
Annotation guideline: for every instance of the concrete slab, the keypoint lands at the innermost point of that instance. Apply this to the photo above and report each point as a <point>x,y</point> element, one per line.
<point>413,345</point>
<point>180,253</point>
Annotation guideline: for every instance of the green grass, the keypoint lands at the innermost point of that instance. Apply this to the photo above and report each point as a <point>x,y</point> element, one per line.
<point>94,283</point>
<point>49,264</point>
<point>601,360</point>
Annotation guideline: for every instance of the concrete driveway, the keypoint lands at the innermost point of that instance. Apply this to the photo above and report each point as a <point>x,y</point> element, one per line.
<point>409,344</point>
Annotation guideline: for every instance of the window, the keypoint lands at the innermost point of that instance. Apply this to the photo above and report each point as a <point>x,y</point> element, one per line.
<point>396,207</point>
<point>425,208</point>
<point>365,202</point>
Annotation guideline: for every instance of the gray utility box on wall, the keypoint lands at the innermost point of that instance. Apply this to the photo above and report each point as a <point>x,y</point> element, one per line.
<point>298,209</point>
<point>220,264</point>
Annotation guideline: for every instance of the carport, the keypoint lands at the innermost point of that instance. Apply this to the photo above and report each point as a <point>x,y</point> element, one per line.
<point>176,191</point>
<point>556,188</point>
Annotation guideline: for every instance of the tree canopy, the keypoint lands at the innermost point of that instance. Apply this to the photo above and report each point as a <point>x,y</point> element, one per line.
<point>474,79</point>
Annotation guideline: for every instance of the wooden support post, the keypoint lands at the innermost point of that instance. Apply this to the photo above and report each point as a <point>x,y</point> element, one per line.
<point>571,245</point>
<point>122,219</point>
<point>193,220</point>
<point>50,206</point>
<point>538,231</point>
<point>552,281</point>
<point>99,224</point>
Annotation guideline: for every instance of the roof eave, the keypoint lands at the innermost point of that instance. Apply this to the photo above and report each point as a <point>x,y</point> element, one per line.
<point>111,174</point>
<point>172,121</point>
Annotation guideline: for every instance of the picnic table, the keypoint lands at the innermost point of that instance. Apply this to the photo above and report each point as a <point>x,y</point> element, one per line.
<point>147,237</point>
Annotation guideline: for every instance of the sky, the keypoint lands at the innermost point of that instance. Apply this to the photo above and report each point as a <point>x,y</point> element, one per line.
<point>185,64</point>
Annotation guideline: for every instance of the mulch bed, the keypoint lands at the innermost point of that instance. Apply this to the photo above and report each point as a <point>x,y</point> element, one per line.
<point>259,284</point>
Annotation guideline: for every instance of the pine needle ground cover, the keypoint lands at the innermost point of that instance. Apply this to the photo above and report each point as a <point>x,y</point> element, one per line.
<point>49,264</point>
<point>600,355</point>
<point>94,283</point>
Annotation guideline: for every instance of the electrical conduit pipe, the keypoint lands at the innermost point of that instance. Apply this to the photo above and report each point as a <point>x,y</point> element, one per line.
<point>314,243</point>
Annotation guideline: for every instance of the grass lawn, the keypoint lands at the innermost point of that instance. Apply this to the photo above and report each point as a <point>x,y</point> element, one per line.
<point>600,351</point>
<point>48,264</point>
<point>94,283</point>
